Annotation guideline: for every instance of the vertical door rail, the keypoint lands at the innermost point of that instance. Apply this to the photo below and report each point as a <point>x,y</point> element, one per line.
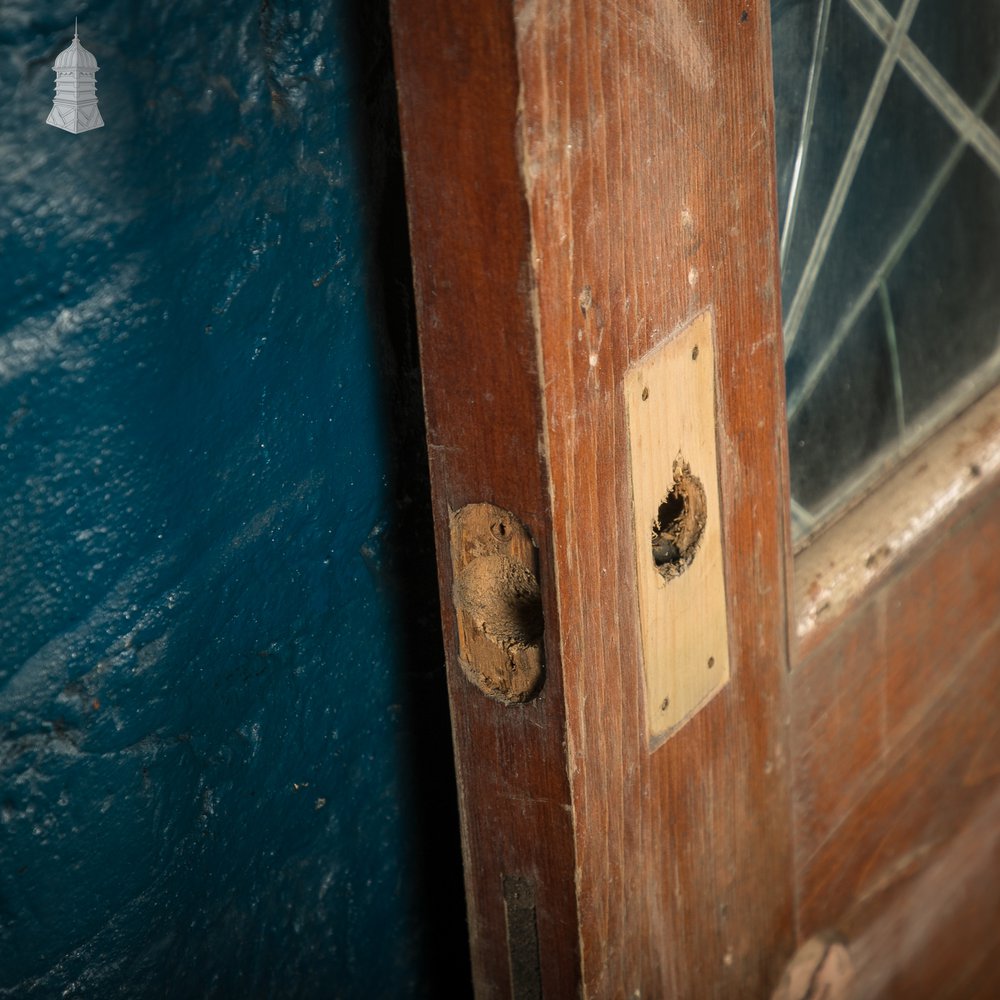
<point>586,179</point>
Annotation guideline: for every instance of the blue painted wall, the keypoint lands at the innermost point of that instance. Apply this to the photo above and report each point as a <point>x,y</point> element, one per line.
<point>222,768</point>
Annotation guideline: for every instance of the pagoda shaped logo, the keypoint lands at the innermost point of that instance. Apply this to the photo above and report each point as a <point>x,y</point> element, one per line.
<point>75,106</point>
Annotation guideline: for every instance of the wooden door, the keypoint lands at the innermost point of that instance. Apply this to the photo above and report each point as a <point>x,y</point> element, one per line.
<point>592,210</point>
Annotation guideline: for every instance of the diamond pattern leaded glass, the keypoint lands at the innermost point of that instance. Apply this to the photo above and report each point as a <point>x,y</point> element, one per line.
<point>887,117</point>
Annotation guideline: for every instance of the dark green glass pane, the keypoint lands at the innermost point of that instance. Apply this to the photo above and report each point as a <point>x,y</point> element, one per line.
<point>961,39</point>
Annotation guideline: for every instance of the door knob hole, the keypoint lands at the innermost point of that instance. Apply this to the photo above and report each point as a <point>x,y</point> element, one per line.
<point>679,523</point>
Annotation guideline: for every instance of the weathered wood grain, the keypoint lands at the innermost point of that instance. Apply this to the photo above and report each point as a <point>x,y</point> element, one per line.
<point>896,743</point>
<point>647,158</point>
<point>471,243</point>
<point>583,179</point>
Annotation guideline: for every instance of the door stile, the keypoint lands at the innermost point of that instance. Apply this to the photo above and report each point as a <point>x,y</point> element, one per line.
<point>470,236</point>
<point>589,182</point>
<point>649,165</point>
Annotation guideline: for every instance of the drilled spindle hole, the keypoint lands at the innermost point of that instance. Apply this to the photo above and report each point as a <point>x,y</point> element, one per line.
<point>679,523</point>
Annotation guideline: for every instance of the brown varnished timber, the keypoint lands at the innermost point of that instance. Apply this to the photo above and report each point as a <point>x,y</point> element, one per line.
<point>896,742</point>
<point>584,177</point>
<point>647,157</point>
<point>470,237</point>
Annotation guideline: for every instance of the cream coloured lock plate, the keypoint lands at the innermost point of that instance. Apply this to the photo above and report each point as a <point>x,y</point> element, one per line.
<point>670,401</point>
